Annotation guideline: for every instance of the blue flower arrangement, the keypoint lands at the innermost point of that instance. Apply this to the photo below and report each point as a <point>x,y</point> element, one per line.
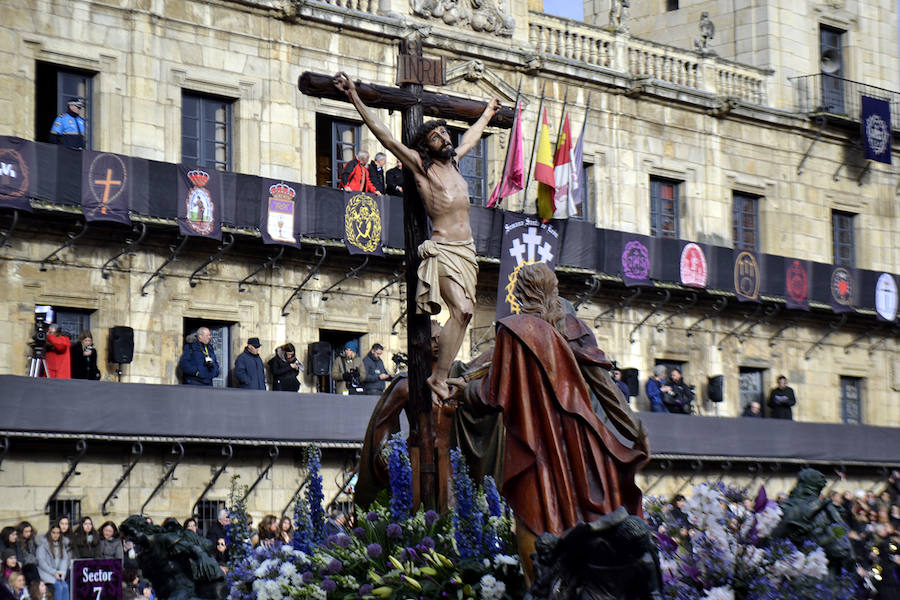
<point>400,471</point>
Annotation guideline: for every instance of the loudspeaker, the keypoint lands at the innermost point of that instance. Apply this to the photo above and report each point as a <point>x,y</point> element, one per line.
<point>830,62</point>
<point>319,358</point>
<point>631,379</point>
<point>121,344</point>
<point>714,388</point>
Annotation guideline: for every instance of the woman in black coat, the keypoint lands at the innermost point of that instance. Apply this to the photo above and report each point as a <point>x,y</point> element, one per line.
<point>285,368</point>
<point>84,358</point>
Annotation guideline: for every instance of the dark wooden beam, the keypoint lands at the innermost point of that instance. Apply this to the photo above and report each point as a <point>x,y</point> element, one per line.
<point>440,106</point>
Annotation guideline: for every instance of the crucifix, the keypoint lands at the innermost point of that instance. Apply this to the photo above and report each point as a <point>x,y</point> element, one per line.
<point>432,187</point>
<point>106,183</point>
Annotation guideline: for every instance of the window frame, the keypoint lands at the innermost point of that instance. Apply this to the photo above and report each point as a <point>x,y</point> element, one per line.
<point>854,383</point>
<point>43,121</point>
<point>68,507</point>
<point>479,152</point>
<point>336,145</point>
<point>837,228</point>
<point>737,224</point>
<point>657,214</point>
<point>202,130</point>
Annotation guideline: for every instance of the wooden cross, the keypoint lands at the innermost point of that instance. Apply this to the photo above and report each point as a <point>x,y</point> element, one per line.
<point>414,103</point>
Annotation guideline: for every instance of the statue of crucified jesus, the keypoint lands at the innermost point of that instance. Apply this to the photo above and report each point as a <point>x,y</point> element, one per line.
<point>448,270</point>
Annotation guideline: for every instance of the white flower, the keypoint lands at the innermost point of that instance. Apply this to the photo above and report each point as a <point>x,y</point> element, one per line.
<point>287,569</point>
<point>815,564</point>
<point>506,559</point>
<point>719,593</point>
<point>491,589</point>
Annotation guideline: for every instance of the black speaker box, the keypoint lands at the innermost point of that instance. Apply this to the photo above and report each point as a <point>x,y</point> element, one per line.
<point>631,379</point>
<point>714,388</point>
<point>319,360</point>
<point>121,344</point>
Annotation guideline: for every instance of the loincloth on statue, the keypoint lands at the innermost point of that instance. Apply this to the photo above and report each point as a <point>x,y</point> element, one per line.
<point>455,260</point>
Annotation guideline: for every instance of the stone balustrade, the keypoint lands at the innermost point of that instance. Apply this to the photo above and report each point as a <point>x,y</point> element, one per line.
<point>369,6</point>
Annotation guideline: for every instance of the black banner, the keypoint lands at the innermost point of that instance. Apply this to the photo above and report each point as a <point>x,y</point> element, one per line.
<point>526,240</point>
<point>843,289</point>
<point>693,268</point>
<point>747,276</point>
<point>635,259</point>
<point>797,283</point>
<point>106,184</point>
<point>363,223</point>
<point>886,298</point>
<point>876,128</point>
<point>280,222</point>
<point>199,202</point>
<point>17,172</point>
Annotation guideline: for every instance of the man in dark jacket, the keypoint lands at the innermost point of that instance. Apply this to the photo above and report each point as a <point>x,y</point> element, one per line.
<point>394,180</point>
<point>376,374</point>
<point>781,399</point>
<point>376,171</point>
<point>198,362</point>
<point>678,399</point>
<point>249,372</point>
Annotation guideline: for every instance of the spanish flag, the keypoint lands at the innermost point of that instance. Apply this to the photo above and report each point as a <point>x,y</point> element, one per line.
<point>543,171</point>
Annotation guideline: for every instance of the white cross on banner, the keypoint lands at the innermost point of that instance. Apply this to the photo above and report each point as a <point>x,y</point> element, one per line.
<point>526,240</point>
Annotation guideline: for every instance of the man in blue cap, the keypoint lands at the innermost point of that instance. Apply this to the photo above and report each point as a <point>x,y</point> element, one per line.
<point>68,128</point>
<point>348,370</point>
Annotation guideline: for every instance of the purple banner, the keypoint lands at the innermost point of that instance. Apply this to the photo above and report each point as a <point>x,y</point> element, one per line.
<point>797,278</point>
<point>106,187</point>
<point>200,202</point>
<point>280,221</point>
<point>636,261</point>
<point>843,289</point>
<point>747,276</point>
<point>526,240</point>
<point>96,579</point>
<point>17,172</point>
<point>363,223</point>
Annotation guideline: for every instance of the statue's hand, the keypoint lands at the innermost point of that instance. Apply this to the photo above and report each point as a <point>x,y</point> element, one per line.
<point>343,82</point>
<point>494,105</point>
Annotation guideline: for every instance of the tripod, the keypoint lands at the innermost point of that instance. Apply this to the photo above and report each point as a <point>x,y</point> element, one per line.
<point>38,367</point>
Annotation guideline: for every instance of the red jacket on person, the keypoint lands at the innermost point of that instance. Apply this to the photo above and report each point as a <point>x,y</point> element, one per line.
<point>59,361</point>
<point>355,178</point>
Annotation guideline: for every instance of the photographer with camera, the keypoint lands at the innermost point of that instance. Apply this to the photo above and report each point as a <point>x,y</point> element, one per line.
<point>376,374</point>
<point>285,368</point>
<point>680,395</point>
<point>348,371</point>
<point>84,358</point>
<point>58,348</point>
<point>198,362</point>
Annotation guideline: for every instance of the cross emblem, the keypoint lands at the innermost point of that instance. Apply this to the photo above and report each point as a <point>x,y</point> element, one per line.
<point>106,183</point>
<point>534,244</point>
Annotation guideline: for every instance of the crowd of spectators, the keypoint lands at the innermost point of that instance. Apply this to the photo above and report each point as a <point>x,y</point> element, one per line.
<point>668,392</point>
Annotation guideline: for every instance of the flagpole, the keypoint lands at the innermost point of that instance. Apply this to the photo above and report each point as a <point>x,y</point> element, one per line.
<point>512,132</point>
<point>562,117</point>
<point>537,128</point>
<point>587,111</point>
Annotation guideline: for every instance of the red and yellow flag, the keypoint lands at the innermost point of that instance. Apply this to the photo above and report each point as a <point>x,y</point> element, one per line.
<point>543,171</point>
<point>563,201</point>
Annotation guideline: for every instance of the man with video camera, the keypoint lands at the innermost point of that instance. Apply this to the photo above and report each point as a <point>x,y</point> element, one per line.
<point>198,362</point>
<point>348,371</point>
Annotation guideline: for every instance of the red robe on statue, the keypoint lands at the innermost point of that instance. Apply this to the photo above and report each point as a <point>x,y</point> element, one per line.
<point>561,464</point>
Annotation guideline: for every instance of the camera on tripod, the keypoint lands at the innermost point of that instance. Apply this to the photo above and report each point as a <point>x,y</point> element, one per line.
<point>400,360</point>
<point>39,337</point>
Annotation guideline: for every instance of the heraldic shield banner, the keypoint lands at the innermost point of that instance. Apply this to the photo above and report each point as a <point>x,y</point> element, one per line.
<point>747,276</point>
<point>279,220</point>
<point>17,168</point>
<point>876,128</point>
<point>363,223</point>
<point>797,283</point>
<point>200,202</point>
<point>106,187</point>
<point>526,240</point>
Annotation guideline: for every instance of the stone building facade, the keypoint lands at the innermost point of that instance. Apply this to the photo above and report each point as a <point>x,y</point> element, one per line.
<point>709,127</point>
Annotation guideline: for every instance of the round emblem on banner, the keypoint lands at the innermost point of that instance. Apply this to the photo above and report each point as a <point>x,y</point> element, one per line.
<point>362,223</point>
<point>13,174</point>
<point>746,275</point>
<point>636,261</point>
<point>797,282</point>
<point>693,266</point>
<point>107,177</point>
<point>877,134</point>
<point>842,286</point>
<point>886,297</point>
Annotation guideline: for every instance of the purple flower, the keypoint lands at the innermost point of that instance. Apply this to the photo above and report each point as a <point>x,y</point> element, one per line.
<point>307,577</point>
<point>394,530</point>
<point>359,532</point>
<point>335,566</point>
<point>427,542</point>
<point>365,589</point>
<point>342,540</point>
<point>373,550</point>
<point>328,585</point>
<point>430,517</point>
<point>331,540</point>
<point>411,554</point>
<point>372,516</point>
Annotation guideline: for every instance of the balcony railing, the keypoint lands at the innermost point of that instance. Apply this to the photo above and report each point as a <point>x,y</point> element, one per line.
<point>830,95</point>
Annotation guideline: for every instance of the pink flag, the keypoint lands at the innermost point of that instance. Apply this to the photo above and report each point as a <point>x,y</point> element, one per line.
<point>514,170</point>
